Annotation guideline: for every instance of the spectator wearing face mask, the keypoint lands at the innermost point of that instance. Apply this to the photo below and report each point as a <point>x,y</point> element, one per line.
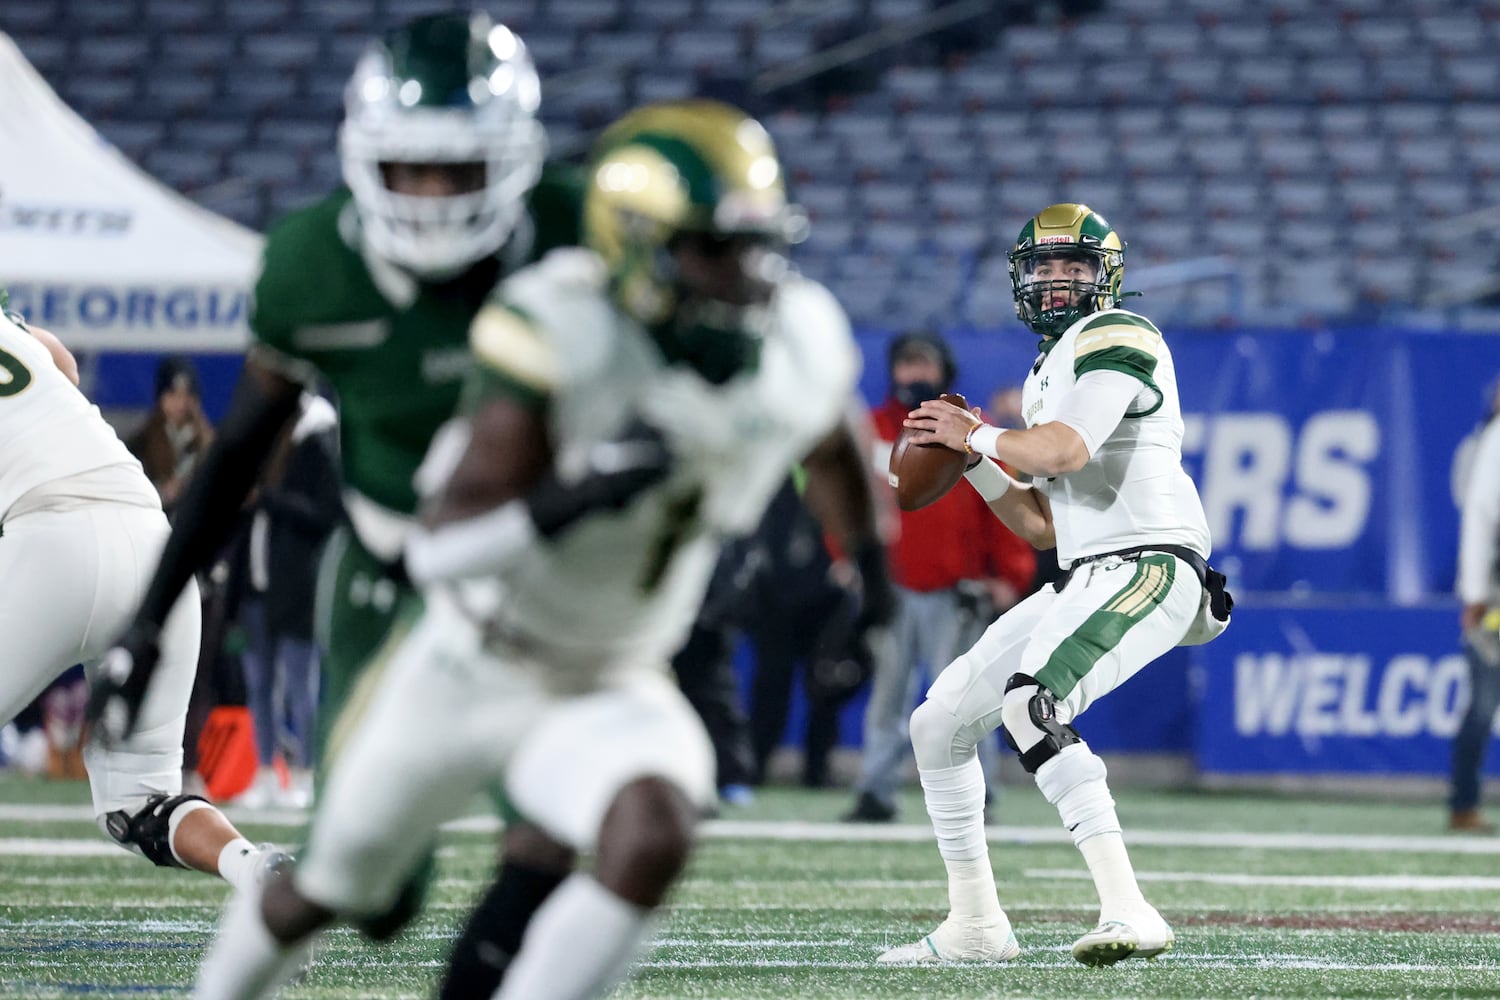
<point>945,558</point>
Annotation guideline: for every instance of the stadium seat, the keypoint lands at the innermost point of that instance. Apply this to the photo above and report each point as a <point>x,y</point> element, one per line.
<point>628,48</point>
<point>113,54</point>
<point>277,167</point>
<point>19,16</point>
<point>50,56</point>
<point>98,18</point>
<point>1281,155</point>
<point>133,138</point>
<point>183,169</point>
<point>213,135</point>
<point>771,48</point>
<point>340,15</point>
<point>1370,199</point>
<point>262,15</point>
<point>1457,31</point>
<point>202,53</point>
<point>1357,156</point>
<point>281,51</point>
<point>1473,76</point>
<point>703,49</point>
<point>664,13</point>
<point>98,96</point>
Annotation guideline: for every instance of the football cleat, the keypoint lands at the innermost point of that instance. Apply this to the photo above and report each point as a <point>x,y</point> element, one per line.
<point>1116,940</point>
<point>959,941</point>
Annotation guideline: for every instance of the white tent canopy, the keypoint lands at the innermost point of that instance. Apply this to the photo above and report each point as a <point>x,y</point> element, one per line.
<point>97,251</point>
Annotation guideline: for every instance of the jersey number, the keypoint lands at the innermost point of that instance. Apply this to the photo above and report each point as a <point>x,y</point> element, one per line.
<point>16,375</point>
<point>678,522</point>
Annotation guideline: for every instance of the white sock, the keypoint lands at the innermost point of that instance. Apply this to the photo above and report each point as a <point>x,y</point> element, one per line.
<point>1114,878</point>
<point>245,962</point>
<point>955,804</point>
<point>579,944</point>
<point>237,862</point>
<point>1074,781</point>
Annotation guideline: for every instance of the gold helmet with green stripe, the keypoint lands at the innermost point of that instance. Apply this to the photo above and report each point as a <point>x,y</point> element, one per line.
<point>1068,262</point>
<point>687,206</point>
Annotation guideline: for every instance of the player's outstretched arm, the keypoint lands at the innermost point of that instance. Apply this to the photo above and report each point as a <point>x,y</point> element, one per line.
<point>498,490</point>
<point>263,401</point>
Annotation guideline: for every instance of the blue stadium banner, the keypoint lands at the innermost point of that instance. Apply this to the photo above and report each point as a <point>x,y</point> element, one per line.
<point>1373,689</point>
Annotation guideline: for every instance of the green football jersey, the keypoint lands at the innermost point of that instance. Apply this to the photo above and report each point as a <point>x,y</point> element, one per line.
<point>395,351</point>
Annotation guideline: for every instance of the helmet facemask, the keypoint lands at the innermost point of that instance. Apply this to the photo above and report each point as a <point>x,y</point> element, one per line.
<point>687,208</point>
<point>722,286</point>
<point>1056,288</point>
<point>489,136</point>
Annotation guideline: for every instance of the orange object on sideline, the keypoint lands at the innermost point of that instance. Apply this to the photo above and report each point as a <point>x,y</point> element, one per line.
<point>226,752</point>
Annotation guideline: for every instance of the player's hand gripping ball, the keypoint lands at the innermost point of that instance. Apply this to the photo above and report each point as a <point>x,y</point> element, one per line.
<point>923,473</point>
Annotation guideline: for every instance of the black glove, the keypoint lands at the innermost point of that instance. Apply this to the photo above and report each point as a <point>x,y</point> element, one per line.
<point>878,606</point>
<point>841,660</point>
<point>124,675</point>
<point>617,471</point>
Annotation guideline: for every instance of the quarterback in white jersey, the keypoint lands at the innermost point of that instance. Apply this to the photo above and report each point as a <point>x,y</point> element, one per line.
<point>1103,445</point>
<point>80,526</point>
<point>636,402</point>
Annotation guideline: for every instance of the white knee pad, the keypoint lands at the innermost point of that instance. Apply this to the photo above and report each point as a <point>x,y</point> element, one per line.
<point>940,739</point>
<point>1074,781</point>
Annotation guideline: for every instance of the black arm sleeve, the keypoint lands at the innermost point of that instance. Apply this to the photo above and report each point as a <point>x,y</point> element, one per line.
<point>263,402</point>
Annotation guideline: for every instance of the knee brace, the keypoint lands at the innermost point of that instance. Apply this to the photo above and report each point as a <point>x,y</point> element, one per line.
<point>1029,713</point>
<point>150,829</point>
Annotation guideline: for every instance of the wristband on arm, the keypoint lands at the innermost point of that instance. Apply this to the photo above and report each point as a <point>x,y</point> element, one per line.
<point>989,480</point>
<point>981,440</point>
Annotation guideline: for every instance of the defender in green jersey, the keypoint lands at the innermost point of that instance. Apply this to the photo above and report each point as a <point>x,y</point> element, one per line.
<point>372,291</point>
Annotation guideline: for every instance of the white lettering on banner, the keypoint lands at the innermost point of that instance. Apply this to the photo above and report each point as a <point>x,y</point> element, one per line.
<point>135,307</point>
<point>1329,694</point>
<point>1310,490</point>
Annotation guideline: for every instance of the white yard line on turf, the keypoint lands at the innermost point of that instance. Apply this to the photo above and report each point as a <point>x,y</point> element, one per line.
<point>906,833</point>
<point>1405,883</point>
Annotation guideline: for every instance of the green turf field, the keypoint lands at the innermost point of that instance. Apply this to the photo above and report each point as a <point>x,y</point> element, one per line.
<point>1283,897</point>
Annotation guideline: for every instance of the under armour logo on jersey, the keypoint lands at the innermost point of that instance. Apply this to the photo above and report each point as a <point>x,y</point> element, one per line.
<point>1044,381</point>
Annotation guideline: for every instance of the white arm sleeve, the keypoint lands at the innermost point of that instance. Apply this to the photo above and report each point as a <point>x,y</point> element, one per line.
<point>1096,404</point>
<point>478,546</point>
<point>1477,538</point>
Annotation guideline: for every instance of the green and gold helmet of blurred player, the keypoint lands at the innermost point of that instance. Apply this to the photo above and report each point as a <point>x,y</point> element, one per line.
<point>440,142</point>
<point>1067,263</point>
<point>687,206</point>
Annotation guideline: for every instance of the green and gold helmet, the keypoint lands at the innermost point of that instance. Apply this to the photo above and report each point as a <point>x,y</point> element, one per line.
<point>687,206</point>
<point>1067,263</point>
<point>456,93</point>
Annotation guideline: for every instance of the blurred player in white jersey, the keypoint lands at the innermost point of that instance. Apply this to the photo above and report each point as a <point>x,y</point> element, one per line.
<point>80,528</point>
<point>1103,443</point>
<point>636,402</point>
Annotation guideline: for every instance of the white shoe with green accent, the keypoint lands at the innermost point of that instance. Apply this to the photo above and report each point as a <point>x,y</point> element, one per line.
<point>959,941</point>
<point>1116,940</point>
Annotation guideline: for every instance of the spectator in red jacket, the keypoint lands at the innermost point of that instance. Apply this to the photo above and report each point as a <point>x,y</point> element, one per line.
<point>956,568</point>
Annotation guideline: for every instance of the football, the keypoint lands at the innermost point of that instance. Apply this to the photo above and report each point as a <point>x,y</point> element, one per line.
<point>923,473</point>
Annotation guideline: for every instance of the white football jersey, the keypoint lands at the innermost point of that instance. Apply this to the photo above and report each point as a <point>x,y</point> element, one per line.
<point>51,431</point>
<point>1133,491</point>
<point>625,586</point>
